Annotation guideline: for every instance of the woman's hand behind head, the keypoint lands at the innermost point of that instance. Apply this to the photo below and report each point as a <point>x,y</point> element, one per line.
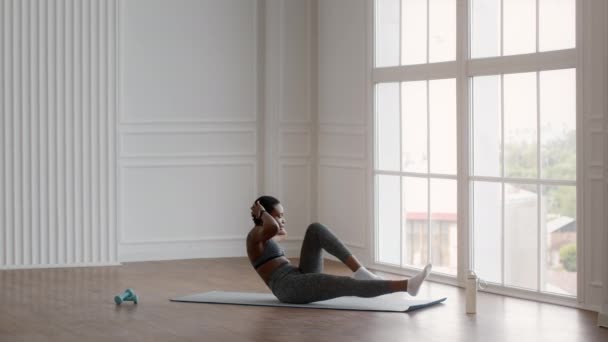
<point>256,210</point>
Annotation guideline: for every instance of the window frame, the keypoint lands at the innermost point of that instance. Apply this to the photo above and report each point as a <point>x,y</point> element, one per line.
<point>462,70</point>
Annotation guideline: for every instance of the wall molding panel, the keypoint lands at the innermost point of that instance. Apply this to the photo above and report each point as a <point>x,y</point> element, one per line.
<point>168,73</point>
<point>234,142</point>
<point>603,312</point>
<point>296,194</point>
<point>58,73</point>
<point>343,145</point>
<point>189,127</point>
<point>294,62</point>
<point>295,142</point>
<point>342,200</point>
<point>342,67</point>
<point>185,121</point>
<point>342,125</point>
<point>156,209</point>
<point>592,195</point>
<point>289,127</point>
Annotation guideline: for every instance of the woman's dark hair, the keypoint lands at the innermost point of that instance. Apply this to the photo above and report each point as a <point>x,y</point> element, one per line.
<point>268,202</point>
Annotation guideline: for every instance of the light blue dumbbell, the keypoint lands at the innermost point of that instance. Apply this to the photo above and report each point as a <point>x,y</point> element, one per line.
<point>127,296</point>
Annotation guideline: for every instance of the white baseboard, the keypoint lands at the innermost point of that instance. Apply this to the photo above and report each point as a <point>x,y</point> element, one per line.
<point>602,319</point>
<point>28,267</point>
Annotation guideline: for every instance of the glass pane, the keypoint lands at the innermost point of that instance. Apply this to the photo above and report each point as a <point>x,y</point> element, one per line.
<point>519,27</point>
<point>486,126</point>
<point>556,28</point>
<point>388,219</point>
<point>520,124</point>
<point>415,223</point>
<point>487,231</point>
<point>387,115</point>
<point>558,124</point>
<point>387,33</point>
<point>414,122</point>
<point>442,30</point>
<point>444,226</point>
<point>521,236</point>
<point>485,28</point>
<point>558,224</point>
<point>413,32</point>
<point>442,111</point>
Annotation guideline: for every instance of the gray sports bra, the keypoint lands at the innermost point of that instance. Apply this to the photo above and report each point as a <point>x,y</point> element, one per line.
<point>271,250</point>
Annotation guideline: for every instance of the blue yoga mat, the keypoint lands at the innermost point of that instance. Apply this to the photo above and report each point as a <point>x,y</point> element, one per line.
<point>394,302</point>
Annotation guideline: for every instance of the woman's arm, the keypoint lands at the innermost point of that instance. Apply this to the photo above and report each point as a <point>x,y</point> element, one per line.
<point>281,235</point>
<point>270,227</point>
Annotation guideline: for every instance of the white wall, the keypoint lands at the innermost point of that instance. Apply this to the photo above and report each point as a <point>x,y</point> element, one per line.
<point>188,127</point>
<point>289,130</point>
<point>215,107</point>
<point>200,82</point>
<point>57,137</point>
<point>594,175</point>
<point>344,199</point>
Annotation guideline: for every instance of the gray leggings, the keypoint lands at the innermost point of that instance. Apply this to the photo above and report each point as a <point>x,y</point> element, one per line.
<point>306,283</point>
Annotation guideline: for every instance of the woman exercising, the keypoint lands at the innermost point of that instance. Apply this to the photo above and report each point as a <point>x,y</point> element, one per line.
<point>307,283</point>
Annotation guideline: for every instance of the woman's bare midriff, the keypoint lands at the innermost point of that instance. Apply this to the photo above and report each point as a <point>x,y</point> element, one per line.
<point>266,269</point>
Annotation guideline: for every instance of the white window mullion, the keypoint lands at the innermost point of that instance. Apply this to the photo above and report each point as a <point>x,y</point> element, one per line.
<point>581,86</point>
<point>502,233</point>
<point>470,199</point>
<point>376,220</point>
<point>537,25</point>
<point>375,175</point>
<point>418,72</point>
<point>428,163</point>
<point>464,231</point>
<point>502,27</point>
<point>538,166</point>
<point>428,16</point>
<point>549,60</point>
<point>401,244</point>
<point>502,175</point>
<point>530,181</point>
<point>471,126</point>
<point>417,174</point>
<point>538,244</point>
<point>400,32</point>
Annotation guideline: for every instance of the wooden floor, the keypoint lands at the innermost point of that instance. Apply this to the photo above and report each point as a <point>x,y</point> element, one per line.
<point>76,304</point>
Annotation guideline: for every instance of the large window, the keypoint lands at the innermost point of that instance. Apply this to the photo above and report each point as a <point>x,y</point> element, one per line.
<point>493,117</point>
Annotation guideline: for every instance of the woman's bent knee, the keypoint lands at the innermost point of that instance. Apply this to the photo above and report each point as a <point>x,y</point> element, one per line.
<point>315,227</point>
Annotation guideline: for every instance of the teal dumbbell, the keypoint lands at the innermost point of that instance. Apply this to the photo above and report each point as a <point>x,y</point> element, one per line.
<point>127,296</point>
